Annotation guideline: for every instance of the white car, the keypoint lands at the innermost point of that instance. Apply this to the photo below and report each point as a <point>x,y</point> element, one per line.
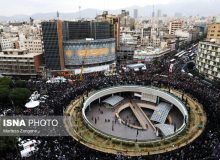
<point>27,152</point>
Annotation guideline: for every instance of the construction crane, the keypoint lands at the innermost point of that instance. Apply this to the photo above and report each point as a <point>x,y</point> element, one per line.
<point>81,72</point>
<point>83,61</point>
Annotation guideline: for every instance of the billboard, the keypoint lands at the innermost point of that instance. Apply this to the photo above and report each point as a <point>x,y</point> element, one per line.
<point>93,52</point>
<point>89,53</point>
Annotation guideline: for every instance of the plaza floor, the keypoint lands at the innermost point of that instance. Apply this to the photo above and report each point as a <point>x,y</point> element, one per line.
<point>104,119</point>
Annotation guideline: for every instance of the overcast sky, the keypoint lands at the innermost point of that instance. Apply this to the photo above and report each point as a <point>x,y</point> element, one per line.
<point>28,7</point>
<point>18,7</point>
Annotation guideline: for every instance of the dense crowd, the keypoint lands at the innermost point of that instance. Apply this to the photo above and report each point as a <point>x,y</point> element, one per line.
<point>207,146</point>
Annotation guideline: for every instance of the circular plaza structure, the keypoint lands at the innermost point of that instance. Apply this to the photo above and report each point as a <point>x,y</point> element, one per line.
<point>134,120</point>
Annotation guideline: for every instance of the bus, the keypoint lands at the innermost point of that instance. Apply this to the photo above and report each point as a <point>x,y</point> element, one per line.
<point>179,53</point>
<point>192,54</point>
<point>195,45</point>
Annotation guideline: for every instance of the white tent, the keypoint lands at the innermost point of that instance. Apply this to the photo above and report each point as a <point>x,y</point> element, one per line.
<point>32,104</point>
<point>57,80</point>
<point>137,66</point>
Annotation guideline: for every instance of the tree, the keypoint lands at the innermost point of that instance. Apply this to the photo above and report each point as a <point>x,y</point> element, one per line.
<point>5,81</point>
<point>20,84</point>
<point>7,144</point>
<point>4,94</point>
<point>20,95</point>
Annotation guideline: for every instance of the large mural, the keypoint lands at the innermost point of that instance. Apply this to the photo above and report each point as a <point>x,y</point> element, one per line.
<point>91,53</point>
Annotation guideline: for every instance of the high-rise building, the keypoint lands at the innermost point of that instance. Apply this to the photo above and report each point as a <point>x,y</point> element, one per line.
<point>208,59</point>
<point>153,14</point>
<point>126,20</point>
<point>50,45</point>
<point>175,25</point>
<point>178,15</point>
<point>114,20</point>
<point>158,13</point>
<point>65,45</point>
<point>135,13</point>
<point>213,31</point>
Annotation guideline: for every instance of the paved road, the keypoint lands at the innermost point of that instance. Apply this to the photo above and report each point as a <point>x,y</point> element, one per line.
<point>113,127</point>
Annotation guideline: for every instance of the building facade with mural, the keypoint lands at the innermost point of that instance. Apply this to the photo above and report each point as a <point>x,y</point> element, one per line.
<point>67,45</point>
<point>89,52</point>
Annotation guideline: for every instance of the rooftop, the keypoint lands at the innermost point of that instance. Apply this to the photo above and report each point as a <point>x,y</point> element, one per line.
<point>22,55</point>
<point>211,43</point>
<point>90,41</point>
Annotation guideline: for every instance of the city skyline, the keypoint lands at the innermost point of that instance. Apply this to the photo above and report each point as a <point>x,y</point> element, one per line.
<point>29,7</point>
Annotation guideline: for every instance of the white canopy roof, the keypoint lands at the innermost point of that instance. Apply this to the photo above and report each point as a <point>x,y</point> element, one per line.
<point>138,65</point>
<point>32,104</point>
<point>166,129</point>
<point>113,100</point>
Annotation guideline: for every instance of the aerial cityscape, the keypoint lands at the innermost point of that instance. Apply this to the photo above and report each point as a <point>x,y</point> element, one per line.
<point>110,80</point>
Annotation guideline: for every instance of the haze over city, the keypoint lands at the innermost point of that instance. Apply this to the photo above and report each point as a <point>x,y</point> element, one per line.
<point>44,8</point>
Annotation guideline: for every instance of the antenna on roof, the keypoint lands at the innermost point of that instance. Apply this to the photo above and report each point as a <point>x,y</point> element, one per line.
<point>58,15</point>
<point>79,12</point>
<point>153,11</point>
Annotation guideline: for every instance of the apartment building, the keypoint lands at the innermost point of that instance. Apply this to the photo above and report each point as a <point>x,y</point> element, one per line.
<point>33,45</point>
<point>19,62</point>
<point>6,43</point>
<point>175,25</point>
<point>213,31</point>
<point>208,59</point>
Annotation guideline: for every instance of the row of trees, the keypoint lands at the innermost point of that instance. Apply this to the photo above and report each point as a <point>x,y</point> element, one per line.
<point>13,92</point>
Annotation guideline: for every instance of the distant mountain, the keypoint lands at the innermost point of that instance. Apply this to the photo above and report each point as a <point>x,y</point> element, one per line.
<point>194,7</point>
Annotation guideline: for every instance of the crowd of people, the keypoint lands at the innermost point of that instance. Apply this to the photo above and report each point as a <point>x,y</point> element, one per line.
<point>207,146</point>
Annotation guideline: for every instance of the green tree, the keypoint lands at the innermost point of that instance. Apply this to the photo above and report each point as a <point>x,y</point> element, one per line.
<point>20,95</point>
<point>4,86</point>
<point>4,94</point>
<point>20,84</point>
<point>5,81</point>
<point>7,144</point>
